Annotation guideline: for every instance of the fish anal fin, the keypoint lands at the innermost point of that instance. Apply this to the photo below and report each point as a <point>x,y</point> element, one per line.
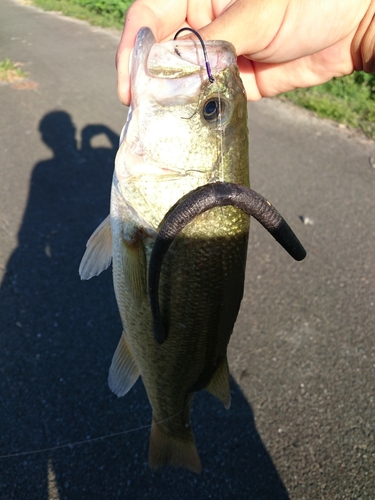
<point>124,371</point>
<point>134,266</point>
<point>98,254</point>
<point>219,384</point>
<point>166,449</point>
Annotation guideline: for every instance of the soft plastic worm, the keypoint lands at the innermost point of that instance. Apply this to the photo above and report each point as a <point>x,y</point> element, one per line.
<point>196,202</point>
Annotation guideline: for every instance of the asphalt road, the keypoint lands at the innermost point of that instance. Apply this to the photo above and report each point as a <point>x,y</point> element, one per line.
<point>302,356</point>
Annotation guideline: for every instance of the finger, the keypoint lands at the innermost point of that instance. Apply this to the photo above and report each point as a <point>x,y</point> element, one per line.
<point>248,78</point>
<point>269,79</point>
<point>283,30</point>
<point>364,41</point>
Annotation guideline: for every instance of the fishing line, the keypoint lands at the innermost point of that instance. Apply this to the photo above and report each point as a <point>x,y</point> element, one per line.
<point>77,443</point>
<point>221,132</point>
<point>211,79</point>
<point>208,67</point>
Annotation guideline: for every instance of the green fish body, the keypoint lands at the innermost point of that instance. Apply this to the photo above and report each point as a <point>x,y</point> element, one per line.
<point>182,132</point>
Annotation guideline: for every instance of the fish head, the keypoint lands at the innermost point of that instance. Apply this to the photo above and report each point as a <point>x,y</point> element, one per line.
<point>183,130</point>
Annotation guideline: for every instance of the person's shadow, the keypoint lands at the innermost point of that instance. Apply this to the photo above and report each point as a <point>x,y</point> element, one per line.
<point>58,335</point>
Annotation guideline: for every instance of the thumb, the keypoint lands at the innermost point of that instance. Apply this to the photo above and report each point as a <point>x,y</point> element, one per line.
<point>249,25</point>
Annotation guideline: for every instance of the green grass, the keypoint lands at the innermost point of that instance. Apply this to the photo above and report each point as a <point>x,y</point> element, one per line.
<point>106,13</point>
<point>10,71</point>
<point>349,100</point>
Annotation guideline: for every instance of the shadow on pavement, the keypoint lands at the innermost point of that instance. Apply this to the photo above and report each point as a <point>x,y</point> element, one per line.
<point>57,338</point>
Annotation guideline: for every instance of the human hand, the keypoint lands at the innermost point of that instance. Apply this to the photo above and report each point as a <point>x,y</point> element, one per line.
<point>281,44</point>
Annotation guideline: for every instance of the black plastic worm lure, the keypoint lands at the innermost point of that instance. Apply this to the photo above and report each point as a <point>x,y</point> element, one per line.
<point>200,200</point>
<point>208,67</point>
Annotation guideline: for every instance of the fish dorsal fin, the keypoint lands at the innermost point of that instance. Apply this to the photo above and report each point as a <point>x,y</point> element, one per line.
<point>219,384</point>
<point>134,268</point>
<point>98,253</point>
<point>123,372</point>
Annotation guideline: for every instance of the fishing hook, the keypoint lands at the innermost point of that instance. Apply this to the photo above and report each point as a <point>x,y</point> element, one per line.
<point>208,67</point>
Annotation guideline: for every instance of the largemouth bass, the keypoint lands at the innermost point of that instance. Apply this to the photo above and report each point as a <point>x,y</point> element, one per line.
<point>177,233</point>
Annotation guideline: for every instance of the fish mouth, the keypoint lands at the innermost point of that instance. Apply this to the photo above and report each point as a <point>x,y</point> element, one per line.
<point>218,194</point>
<point>179,58</point>
<point>177,68</point>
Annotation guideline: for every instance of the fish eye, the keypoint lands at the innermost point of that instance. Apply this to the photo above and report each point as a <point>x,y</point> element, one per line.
<point>211,110</point>
<point>215,111</point>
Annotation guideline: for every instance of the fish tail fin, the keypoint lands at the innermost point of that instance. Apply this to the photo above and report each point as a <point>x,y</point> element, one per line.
<point>166,449</point>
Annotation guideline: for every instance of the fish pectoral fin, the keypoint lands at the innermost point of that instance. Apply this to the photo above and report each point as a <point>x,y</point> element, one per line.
<point>124,371</point>
<point>167,449</point>
<point>134,266</point>
<point>219,384</point>
<point>98,253</point>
